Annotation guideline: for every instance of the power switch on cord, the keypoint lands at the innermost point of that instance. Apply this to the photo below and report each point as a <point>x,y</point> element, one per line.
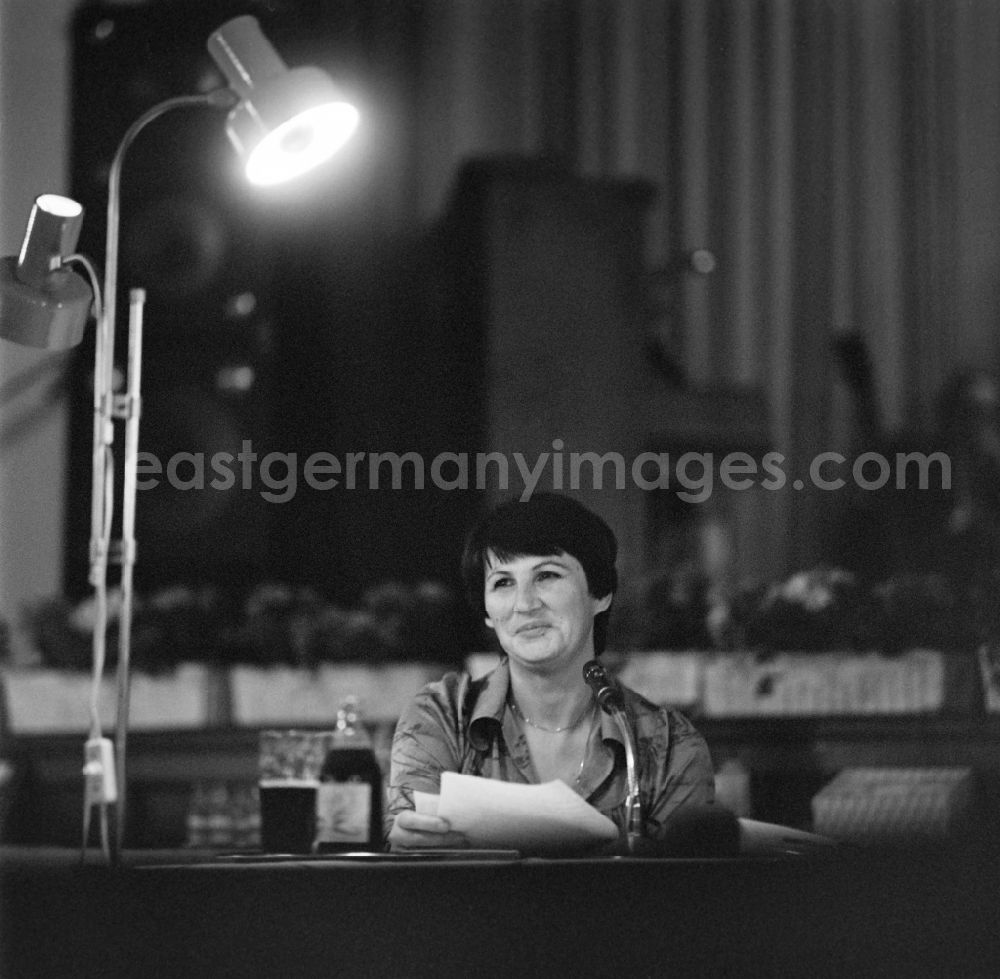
<point>99,772</point>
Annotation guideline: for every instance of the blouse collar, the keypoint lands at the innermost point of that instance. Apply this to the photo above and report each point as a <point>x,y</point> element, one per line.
<point>491,703</point>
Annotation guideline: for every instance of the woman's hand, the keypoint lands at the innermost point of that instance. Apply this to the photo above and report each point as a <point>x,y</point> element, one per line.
<point>416,831</point>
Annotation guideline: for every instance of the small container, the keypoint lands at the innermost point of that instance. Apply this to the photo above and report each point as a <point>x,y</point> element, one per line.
<point>349,796</point>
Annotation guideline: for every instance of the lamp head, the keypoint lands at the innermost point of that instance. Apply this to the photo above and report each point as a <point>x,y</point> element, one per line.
<point>42,302</point>
<point>286,121</point>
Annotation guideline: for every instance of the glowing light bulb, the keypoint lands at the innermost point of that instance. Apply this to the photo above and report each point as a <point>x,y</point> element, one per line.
<point>301,143</point>
<point>59,206</point>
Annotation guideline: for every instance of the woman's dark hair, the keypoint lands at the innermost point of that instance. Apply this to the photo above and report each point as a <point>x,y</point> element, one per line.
<point>546,523</point>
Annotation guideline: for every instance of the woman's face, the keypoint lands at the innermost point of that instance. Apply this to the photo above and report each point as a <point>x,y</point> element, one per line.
<point>540,608</point>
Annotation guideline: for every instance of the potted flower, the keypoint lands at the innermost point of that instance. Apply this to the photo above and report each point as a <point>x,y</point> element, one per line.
<point>820,642</point>
<point>172,683</point>
<point>298,656</point>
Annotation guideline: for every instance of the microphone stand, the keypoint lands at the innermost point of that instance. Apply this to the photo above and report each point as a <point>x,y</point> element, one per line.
<point>611,702</point>
<point>633,806</point>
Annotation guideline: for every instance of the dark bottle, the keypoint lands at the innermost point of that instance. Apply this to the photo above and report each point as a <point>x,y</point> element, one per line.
<point>349,797</point>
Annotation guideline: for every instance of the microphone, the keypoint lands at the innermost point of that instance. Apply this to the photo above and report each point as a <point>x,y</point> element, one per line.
<point>608,695</point>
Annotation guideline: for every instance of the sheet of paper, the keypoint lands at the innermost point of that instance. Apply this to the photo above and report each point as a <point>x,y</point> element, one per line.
<point>425,802</point>
<point>529,818</point>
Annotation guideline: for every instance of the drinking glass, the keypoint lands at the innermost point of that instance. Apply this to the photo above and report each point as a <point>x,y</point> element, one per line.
<point>289,767</point>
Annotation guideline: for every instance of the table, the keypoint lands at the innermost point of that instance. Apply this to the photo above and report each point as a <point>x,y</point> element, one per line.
<point>902,912</point>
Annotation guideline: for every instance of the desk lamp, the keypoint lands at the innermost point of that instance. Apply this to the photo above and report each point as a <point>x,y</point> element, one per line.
<point>283,122</point>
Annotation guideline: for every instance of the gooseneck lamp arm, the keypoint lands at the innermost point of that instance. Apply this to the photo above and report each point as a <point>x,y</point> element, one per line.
<point>221,98</point>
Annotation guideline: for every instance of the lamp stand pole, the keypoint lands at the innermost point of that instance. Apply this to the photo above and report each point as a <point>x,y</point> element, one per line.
<point>107,407</point>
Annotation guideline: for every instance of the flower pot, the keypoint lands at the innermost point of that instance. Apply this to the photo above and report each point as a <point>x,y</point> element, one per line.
<point>42,700</point>
<point>266,696</point>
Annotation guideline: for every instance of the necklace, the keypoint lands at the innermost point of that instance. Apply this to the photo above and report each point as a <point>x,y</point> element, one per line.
<point>588,706</point>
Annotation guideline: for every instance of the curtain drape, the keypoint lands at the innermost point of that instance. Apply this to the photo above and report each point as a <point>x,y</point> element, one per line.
<point>838,157</point>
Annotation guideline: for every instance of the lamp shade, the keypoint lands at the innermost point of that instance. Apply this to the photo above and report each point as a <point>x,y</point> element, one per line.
<point>286,121</point>
<point>43,303</point>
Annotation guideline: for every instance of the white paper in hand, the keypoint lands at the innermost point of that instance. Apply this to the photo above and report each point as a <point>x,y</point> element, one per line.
<point>425,802</point>
<point>548,817</point>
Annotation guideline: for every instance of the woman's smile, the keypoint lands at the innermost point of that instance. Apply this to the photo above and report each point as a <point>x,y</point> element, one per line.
<point>531,629</point>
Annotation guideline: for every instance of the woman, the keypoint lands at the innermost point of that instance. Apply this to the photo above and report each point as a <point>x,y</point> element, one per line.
<point>542,573</point>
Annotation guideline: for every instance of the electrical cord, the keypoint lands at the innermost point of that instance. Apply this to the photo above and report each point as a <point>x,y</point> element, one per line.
<point>97,758</point>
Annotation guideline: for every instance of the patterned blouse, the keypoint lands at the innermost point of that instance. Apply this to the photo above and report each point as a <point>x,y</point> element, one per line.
<point>458,724</point>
